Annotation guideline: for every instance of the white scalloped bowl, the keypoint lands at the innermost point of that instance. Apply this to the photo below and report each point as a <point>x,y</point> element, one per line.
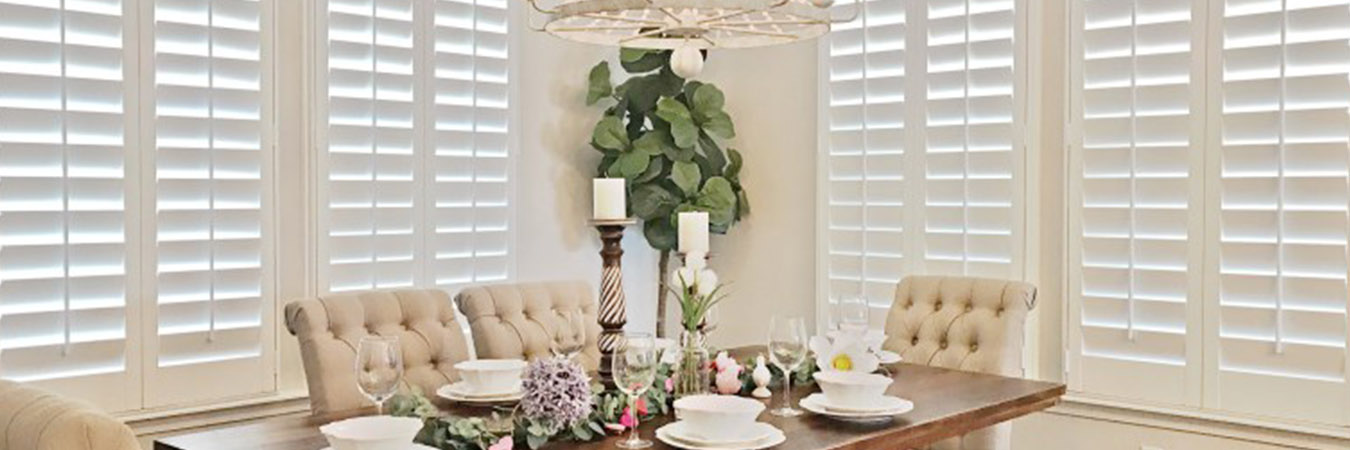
<point>372,433</point>
<point>492,376</point>
<point>852,389</point>
<point>718,417</point>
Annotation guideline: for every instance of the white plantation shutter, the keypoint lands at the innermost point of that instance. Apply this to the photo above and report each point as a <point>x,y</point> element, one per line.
<point>865,154</point>
<point>468,145</point>
<point>1280,166</point>
<point>971,160</point>
<point>417,160</point>
<point>1211,151</point>
<point>940,77</point>
<point>371,212</point>
<point>212,190</point>
<point>1135,279</point>
<point>65,134</point>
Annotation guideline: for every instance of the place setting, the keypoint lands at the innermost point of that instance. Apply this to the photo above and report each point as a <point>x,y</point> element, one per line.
<point>486,381</point>
<point>719,422</point>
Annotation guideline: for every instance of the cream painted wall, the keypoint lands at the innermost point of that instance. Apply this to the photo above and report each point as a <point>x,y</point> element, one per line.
<point>768,258</point>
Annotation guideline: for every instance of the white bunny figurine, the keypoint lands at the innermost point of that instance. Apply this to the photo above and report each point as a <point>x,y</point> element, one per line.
<point>762,377</point>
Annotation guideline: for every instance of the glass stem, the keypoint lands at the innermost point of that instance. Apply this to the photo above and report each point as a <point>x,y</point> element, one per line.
<point>632,409</point>
<point>379,407</point>
<point>787,389</point>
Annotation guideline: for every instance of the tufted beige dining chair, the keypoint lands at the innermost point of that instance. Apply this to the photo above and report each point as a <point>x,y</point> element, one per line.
<point>524,320</point>
<point>33,419</point>
<point>330,327</point>
<point>973,324</point>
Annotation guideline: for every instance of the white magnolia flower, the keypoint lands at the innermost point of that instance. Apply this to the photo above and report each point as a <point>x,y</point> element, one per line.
<point>844,354</point>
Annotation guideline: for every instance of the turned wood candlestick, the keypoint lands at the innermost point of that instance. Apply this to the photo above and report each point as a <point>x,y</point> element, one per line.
<point>613,306</point>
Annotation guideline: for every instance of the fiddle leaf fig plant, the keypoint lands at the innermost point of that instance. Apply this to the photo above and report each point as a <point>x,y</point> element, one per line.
<point>666,136</point>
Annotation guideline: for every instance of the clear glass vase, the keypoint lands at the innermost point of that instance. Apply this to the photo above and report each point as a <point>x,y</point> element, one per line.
<point>693,369</point>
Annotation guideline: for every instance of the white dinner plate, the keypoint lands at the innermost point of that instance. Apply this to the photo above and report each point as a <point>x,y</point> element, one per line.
<point>460,392</point>
<point>683,431</point>
<point>411,446</point>
<point>891,406</point>
<point>671,435</point>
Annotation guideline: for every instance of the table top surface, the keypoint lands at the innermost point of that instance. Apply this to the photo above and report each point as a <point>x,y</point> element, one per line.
<point>947,403</point>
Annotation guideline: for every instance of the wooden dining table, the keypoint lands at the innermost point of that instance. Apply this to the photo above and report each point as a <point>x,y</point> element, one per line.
<point>947,403</point>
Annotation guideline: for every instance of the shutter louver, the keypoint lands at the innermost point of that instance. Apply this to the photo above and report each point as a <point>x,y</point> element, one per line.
<point>470,161</point>
<point>866,151</point>
<point>211,201</point>
<point>1134,121</point>
<point>64,140</point>
<point>970,147</point>
<point>1282,208</point>
<point>373,225</point>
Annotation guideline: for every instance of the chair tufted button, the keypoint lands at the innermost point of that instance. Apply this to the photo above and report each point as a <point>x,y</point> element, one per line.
<point>942,345</point>
<point>974,347</point>
<point>969,307</point>
<point>914,341</point>
<point>937,305</point>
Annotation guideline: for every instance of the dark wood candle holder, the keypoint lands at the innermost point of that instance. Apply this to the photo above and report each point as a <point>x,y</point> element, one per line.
<point>613,306</point>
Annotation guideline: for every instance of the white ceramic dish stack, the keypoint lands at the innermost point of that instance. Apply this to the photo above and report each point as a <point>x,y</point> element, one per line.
<point>486,381</point>
<point>855,396</point>
<point>719,422</point>
<point>373,433</point>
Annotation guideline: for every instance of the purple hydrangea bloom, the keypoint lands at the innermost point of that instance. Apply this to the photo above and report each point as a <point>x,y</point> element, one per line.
<point>557,392</point>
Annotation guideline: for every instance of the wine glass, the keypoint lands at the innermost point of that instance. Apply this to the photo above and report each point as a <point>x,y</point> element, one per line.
<point>852,315</point>
<point>634,369</point>
<point>571,336</point>
<point>787,350</point>
<point>379,368</point>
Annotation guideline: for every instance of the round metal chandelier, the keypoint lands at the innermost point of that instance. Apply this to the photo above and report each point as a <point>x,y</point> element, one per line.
<point>689,25</point>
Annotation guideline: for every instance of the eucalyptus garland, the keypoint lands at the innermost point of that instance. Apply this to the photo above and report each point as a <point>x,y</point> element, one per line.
<point>449,432</point>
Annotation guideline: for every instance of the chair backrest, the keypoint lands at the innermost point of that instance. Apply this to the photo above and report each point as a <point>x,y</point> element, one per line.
<point>973,324</point>
<point>525,320</point>
<point>34,419</point>
<point>330,328</point>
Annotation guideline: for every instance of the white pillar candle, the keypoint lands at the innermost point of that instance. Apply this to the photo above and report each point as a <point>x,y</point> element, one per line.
<point>693,232</point>
<point>610,200</point>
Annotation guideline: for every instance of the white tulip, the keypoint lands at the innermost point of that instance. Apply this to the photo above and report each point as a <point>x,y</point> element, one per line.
<point>707,282</point>
<point>686,277</point>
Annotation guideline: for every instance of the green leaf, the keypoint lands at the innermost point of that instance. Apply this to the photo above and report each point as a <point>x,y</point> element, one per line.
<point>609,134</point>
<point>651,143</point>
<point>660,234</point>
<point>637,60</point>
<point>718,123</point>
<point>716,161</point>
<point>651,201</point>
<point>742,205</point>
<point>632,164</point>
<point>681,124</point>
<point>734,164</point>
<point>535,441</point>
<point>708,99</point>
<point>720,200</point>
<point>687,176</point>
<point>654,169</point>
<point>599,86</point>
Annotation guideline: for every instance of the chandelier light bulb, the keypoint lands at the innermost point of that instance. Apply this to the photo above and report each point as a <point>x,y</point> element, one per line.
<point>687,62</point>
